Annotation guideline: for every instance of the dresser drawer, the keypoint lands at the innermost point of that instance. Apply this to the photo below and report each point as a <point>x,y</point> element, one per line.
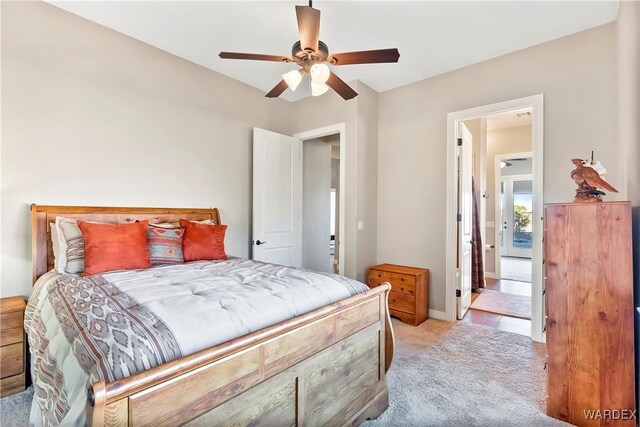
<point>11,360</point>
<point>11,328</point>
<point>402,302</point>
<point>403,283</point>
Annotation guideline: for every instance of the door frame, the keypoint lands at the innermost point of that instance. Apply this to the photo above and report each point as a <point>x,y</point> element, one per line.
<point>497,218</point>
<point>339,128</point>
<point>511,178</point>
<point>536,103</point>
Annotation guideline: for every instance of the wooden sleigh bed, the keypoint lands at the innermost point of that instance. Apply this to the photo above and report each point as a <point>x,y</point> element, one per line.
<point>325,367</point>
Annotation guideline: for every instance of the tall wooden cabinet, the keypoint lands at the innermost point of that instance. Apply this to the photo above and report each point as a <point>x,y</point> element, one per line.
<point>590,313</point>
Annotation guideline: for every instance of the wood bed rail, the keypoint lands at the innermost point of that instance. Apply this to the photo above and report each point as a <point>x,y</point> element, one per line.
<point>278,356</point>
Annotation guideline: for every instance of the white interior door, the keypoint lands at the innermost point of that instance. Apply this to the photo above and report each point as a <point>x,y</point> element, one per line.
<point>465,201</point>
<point>277,198</point>
<point>516,234</point>
<point>316,206</point>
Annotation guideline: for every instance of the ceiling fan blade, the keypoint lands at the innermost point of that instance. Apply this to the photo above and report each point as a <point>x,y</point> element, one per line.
<point>343,89</point>
<point>253,56</point>
<point>365,57</point>
<point>308,27</point>
<point>277,90</point>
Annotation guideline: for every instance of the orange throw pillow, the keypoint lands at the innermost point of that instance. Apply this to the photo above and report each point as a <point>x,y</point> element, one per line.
<point>114,246</point>
<point>202,241</point>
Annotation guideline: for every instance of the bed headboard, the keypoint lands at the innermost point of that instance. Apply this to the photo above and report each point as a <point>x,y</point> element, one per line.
<point>42,216</point>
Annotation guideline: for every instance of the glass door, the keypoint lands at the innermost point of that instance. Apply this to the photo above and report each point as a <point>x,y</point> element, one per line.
<point>516,202</point>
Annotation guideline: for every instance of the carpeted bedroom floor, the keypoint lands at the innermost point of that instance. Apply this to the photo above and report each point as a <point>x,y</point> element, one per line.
<point>443,374</point>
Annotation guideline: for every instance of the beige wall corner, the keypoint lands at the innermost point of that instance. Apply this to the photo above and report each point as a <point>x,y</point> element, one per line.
<point>360,118</point>
<point>367,246</point>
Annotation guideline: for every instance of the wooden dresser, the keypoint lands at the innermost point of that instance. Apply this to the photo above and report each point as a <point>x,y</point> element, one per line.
<point>12,346</point>
<point>589,305</point>
<point>409,296</point>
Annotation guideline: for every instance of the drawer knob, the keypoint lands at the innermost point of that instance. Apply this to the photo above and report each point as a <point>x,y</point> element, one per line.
<point>402,279</point>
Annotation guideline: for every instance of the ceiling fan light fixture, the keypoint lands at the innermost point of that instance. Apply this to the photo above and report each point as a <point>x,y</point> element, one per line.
<point>318,89</point>
<point>320,73</point>
<point>293,79</point>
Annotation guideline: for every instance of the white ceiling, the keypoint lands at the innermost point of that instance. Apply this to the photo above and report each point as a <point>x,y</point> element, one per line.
<point>433,36</point>
<point>509,119</point>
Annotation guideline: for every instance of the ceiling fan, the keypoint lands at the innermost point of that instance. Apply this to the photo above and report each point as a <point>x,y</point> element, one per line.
<point>312,56</point>
<point>507,163</point>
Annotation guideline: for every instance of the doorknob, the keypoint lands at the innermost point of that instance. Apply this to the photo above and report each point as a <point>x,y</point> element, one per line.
<point>258,242</point>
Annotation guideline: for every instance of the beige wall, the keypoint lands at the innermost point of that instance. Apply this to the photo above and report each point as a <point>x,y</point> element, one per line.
<point>93,117</point>
<point>580,115</point>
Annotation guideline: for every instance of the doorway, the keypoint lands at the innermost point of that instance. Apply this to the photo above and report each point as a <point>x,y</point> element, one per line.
<point>331,245</point>
<point>523,236</point>
<point>320,203</point>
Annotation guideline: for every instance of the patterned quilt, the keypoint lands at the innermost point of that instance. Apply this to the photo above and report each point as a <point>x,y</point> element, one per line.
<point>112,325</point>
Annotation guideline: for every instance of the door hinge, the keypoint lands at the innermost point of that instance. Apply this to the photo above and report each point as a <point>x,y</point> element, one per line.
<point>458,293</point>
<point>459,217</point>
<point>459,142</point>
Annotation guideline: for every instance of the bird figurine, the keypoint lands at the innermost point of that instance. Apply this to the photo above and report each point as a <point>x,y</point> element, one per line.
<point>590,183</point>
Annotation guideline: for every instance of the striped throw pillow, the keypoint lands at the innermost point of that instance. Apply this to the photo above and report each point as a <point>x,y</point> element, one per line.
<point>165,245</point>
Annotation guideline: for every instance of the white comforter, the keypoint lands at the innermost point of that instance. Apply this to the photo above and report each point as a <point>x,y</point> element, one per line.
<point>78,334</point>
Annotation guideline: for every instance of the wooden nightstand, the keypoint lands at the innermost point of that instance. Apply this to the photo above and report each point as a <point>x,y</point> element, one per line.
<point>12,346</point>
<point>409,296</point>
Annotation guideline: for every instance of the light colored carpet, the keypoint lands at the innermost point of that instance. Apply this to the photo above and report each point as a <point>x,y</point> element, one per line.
<point>503,303</point>
<point>14,410</point>
<point>518,269</point>
<point>443,374</point>
<point>463,374</point>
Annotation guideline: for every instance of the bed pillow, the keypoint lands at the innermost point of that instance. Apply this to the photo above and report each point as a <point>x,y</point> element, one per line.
<point>55,243</point>
<point>177,224</point>
<point>110,247</point>
<point>70,257</point>
<point>203,241</point>
<point>165,245</point>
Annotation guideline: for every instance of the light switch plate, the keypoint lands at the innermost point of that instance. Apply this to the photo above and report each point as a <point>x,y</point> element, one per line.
<point>360,225</point>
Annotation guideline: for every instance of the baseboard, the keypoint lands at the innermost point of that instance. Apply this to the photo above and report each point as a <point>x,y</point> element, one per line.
<point>491,275</point>
<point>437,314</point>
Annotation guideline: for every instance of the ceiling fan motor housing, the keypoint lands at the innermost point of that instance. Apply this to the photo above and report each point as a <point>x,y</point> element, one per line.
<point>309,57</point>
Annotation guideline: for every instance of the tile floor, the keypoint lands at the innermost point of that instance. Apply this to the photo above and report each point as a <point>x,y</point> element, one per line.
<point>498,321</point>
<point>509,286</point>
<point>513,268</point>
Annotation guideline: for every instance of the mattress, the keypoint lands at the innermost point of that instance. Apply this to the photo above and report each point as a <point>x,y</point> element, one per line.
<point>112,325</point>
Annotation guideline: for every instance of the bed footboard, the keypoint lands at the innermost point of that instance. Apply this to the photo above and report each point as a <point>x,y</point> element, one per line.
<point>326,367</point>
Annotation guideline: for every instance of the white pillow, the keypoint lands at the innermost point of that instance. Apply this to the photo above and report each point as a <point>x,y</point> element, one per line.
<point>55,242</point>
<point>71,251</point>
